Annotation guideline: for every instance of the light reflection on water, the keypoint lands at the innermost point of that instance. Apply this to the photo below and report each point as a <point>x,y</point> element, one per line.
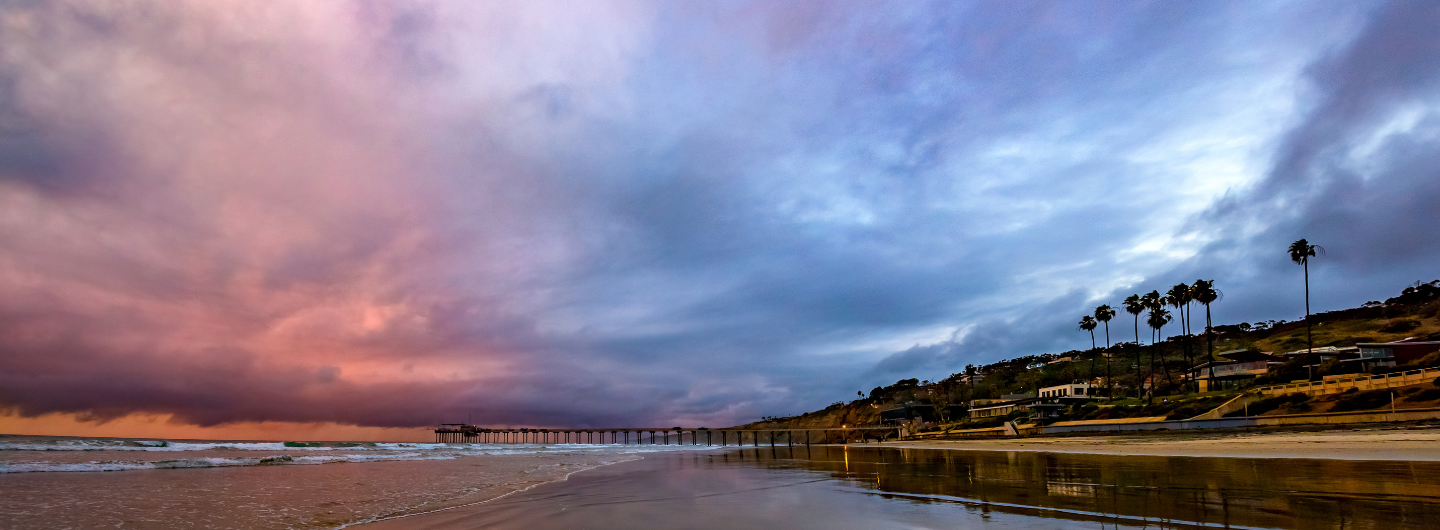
<point>1239,492</point>
<point>869,487</point>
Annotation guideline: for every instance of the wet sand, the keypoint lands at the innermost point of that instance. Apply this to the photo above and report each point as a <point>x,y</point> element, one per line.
<point>832,487</point>
<point>1379,443</point>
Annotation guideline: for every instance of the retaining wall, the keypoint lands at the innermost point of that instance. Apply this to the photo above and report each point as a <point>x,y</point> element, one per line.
<point>1330,418</point>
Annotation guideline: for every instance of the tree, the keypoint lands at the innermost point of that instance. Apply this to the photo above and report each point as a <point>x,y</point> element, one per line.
<point>1135,305</point>
<point>970,377</point>
<point>1103,314</point>
<point>1153,302</point>
<point>1300,252</point>
<point>1087,323</point>
<point>1179,298</point>
<point>1157,320</point>
<point>1205,293</point>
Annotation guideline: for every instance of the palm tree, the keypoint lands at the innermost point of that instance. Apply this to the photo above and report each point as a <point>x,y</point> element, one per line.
<point>1179,298</point>
<point>1300,252</point>
<point>1134,305</point>
<point>1087,323</point>
<point>1205,293</point>
<point>1103,314</point>
<point>1153,301</point>
<point>970,377</point>
<point>1157,320</point>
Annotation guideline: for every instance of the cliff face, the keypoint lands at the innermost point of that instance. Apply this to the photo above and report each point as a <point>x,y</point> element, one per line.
<point>833,417</point>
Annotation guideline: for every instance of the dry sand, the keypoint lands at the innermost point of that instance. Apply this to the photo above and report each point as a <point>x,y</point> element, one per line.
<point>1378,443</point>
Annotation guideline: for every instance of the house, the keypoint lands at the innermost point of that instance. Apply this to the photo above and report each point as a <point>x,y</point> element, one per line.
<point>972,378</point>
<point>1324,353</point>
<point>1395,353</point>
<point>926,413</point>
<point>905,412</point>
<point>1232,368</point>
<point>999,407</point>
<point>1072,390</point>
<point>1055,399</point>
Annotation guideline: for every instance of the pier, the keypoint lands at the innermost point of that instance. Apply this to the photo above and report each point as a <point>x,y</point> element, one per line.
<point>474,434</point>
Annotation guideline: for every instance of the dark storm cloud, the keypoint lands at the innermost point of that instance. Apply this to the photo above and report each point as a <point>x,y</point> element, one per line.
<point>1357,175</point>
<point>40,154</point>
<point>629,213</point>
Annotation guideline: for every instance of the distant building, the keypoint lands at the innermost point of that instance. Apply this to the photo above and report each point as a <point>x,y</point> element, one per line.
<point>925,413</point>
<point>1073,390</point>
<point>1000,408</point>
<point>906,412</point>
<point>1395,353</point>
<point>1055,399</point>
<point>1232,368</point>
<point>1324,353</point>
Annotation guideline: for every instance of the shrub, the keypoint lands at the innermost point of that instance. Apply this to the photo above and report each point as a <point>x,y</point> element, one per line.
<point>1428,394</point>
<point>1289,402</point>
<point>1369,399</point>
<point>1400,325</point>
<point>1429,360</point>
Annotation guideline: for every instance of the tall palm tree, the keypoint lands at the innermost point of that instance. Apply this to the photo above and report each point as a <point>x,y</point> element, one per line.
<point>1159,316</point>
<point>1134,305</point>
<point>1087,323</point>
<point>1103,314</point>
<point>1179,298</point>
<point>1205,293</point>
<point>970,377</point>
<point>1300,252</point>
<point>1153,301</point>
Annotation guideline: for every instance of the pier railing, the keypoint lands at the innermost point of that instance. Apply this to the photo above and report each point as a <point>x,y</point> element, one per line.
<point>474,434</point>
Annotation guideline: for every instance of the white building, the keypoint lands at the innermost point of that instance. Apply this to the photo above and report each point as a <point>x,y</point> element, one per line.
<point>1081,390</point>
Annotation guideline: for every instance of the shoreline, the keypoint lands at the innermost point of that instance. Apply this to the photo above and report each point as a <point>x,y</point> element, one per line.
<point>1373,443</point>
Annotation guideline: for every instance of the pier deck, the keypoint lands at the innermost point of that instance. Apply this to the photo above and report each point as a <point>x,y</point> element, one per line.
<point>462,433</point>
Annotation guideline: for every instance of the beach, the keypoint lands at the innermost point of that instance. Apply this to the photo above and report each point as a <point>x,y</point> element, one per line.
<point>884,487</point>
<point>1375,477</point>
<point>1408,443</point>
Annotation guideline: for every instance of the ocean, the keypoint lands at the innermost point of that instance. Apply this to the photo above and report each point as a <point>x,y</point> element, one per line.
<point>57,482</point>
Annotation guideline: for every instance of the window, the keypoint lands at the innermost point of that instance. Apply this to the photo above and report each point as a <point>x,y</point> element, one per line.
<point>1374,353</point>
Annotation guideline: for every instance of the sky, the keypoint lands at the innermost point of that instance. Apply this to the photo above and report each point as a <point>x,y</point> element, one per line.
<point>377,214</point>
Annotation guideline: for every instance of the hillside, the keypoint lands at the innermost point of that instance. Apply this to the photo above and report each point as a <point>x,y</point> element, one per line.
<point>1414,313</point>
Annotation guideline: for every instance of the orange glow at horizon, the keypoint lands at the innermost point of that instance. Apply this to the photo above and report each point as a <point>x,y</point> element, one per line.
<point>161,426</point>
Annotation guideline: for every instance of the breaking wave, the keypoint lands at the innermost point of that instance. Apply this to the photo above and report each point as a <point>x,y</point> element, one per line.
<point>183,463</point>
<point>27,455</point>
